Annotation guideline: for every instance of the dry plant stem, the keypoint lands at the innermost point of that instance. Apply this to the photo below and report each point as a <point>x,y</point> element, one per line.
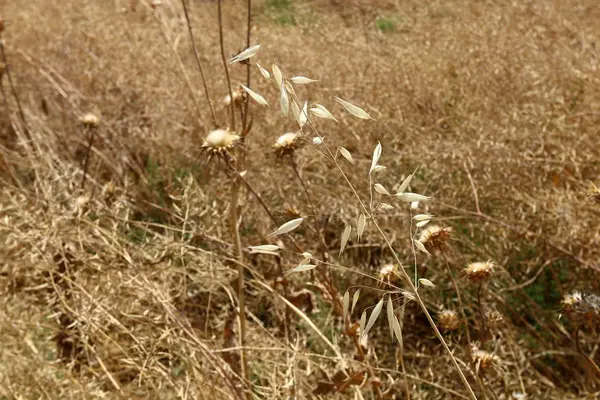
<point>189,25</point>
<point>484,333</point>
<point>12,87</point>
<point>460,303</point>
<point>402,366</point>
<point>222,46</point>
<point>582,353</point>
<point>248,37</point>
<point>475,196</point>
<point>308,196</point>
<point>87,154</point>
<point>411,286</point>
<point>237,245</point>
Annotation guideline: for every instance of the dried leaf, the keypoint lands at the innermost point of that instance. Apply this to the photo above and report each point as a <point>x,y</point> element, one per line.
<point>411,197</point>
<point>355,300</point>
<point>380,189</point>
<point>360,225</point>
<point>284,100</point>
<point>257,97</point>
<point>426,282</point>
<point>346,154</point>
<point>345,237</point>
<point>302,80</point>
<point>421,247</point>
<point>373,317</point>
<point>246,54</point>
<point>287,227</point>
<point>404,184</point>
<point>390,315</point>
<point>321,112</point>
<point>269,249</point>
<point>277,74</point>
<point>302,268</point>
<point>345,306</point>
<point>352,109</point>
<point>376,156</point>
<point>422,217</point>
<point>263,71</point>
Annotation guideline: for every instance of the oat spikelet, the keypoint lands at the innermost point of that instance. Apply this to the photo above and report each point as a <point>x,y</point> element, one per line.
<point>220,142</point>
<point>434,237</point>
<point>448,320</point>
<point>479,271</point>
<point>287,144</point>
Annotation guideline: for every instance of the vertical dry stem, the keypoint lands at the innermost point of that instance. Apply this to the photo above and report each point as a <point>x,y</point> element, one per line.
<point>222,46</point>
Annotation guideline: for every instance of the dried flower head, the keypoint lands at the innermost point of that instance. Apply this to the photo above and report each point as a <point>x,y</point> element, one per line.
<point>582,307</point>
<point>2,25</point>
<point>388,272</point>
<point>434,237</point>
<point>448,320</point>
<point>494,319</point>
<point>479,271</point>
<point>90,120</point>
<point>220,142</point>
<point>483,360</point>
<point>287,144</point>
<point>238,98</point>
<point>593,192</point>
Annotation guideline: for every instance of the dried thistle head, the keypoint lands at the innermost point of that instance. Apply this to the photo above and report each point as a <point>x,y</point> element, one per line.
<point>287,144</point>
<point>582,307</point>
<point>2,25</point>
<point>479,271</point>
<point>483,360</point>
<point>238,98</point>
<point>593,192</point>
<point>90,120</point>
<point>388,272</point>
<point>220,142</point>
<point>448,320</point>
<point>494,319</point>
<point>434,237</point>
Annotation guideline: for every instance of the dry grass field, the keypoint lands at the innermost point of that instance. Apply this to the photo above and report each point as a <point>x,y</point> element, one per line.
<point>126,270</point>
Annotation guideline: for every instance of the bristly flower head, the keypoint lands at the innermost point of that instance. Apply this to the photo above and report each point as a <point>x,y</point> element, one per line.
<point>483,360</point>
<point>220,142</point>
<point>90,120</point>
<point>434,237</point>
<point>448,320</point>
<point>582,307</point>
<point>287,144</point>
<point>479,271</point>
<point>388,272</point>
<point>593,192</point>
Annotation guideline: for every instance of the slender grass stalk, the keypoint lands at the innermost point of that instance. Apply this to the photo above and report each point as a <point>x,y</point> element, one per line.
<point>460,303</point>
<point>189,25</point>
<point>247,99</point>
<point>92,134</point>
<point>222,46</point>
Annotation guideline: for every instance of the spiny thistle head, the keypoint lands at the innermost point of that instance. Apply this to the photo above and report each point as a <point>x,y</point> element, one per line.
<point>388,272</point>
<point>89,120</point>
<point>584,307</point>
<point>433,237</point>
<point>483,360</point>
<point>287,144</point>
<point>238,98</point>
<point>219,142</point>
<point>448,320</point>
<point>479,271</point>
<point>494,319</point>
<point>593,192</point>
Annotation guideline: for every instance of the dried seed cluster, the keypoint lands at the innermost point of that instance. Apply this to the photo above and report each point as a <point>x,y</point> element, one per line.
<point>434,237</point>
<point>479,271</point>
<point>448,320</point>
<point>90,120</point>
<point>220,142</point>
<point>582,307</point>
<point>287,144</point>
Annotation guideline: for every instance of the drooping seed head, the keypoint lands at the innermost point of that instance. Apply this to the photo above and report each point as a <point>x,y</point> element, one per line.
<point>479,271</point>
<point>434,237</point>
<point>238,98</point>
<point>90,120</point>
<point>448,320</point>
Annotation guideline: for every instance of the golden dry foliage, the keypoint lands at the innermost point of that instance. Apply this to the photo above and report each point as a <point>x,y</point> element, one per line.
<point>484,114</point>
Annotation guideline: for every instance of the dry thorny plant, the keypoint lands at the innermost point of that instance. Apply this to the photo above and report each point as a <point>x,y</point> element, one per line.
<point>164,289</point>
